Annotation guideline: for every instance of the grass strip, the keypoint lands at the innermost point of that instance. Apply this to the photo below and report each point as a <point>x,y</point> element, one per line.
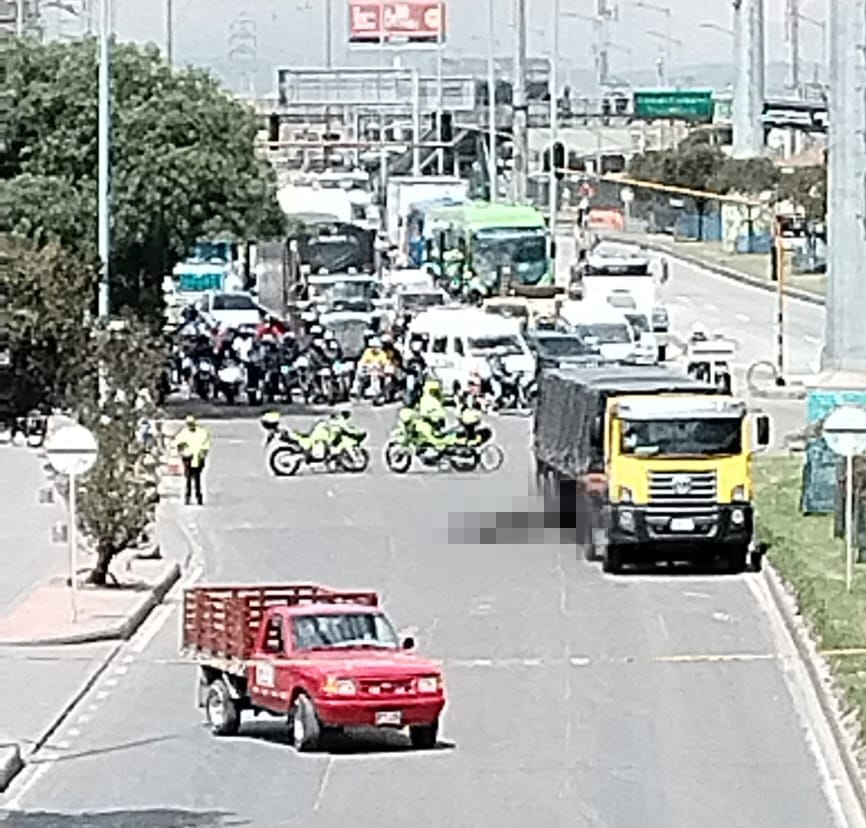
<point>812,562</point>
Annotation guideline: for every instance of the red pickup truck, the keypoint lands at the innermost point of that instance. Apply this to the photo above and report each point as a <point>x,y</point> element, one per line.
<point>327,659</point>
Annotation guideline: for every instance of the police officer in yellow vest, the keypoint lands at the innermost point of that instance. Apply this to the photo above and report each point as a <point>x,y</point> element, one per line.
<point>193,445</point>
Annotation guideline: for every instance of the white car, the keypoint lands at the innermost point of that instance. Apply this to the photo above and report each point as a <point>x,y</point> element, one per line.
<point>604,326</point>
<point>231,310</point>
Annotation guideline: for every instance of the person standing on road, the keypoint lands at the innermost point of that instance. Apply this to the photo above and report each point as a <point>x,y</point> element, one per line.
<point>193,445</point>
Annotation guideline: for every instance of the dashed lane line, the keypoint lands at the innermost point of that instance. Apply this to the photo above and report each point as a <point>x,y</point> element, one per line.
<point>541,662</point>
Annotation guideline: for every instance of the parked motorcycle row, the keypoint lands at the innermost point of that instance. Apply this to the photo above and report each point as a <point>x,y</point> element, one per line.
<point>33,429</point>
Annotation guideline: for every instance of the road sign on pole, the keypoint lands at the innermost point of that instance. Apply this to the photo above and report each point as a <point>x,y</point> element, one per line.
<point>72,451</point>
<point>694,105</point>
<point>844,430</point>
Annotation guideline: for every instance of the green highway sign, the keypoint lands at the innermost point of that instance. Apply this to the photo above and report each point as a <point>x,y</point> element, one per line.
<point>694,105</point>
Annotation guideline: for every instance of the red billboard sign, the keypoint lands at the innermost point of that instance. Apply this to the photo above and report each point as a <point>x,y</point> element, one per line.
<point>412,21</point>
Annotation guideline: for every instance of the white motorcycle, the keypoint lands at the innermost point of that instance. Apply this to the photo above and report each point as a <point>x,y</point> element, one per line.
<point>230,381</point>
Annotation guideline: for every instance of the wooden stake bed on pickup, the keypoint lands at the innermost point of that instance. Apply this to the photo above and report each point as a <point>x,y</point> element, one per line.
<point>220,623</point>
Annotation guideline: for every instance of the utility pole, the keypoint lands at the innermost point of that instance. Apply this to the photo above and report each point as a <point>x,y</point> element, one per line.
<point>748,108</point>
<point>19,18</point>
<point>169,32</point>
<point>554,120</point>
<point>521,125</point>
<point>103,170</point>
<point>844,332</point>
<point>792,35</point>
<point>243,52</point>
<point>602,34</point>
<point>440,156</point>
<point>493,155</point>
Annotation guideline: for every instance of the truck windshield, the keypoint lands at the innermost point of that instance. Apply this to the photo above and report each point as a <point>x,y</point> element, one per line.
<point>357,629</point>
<point>678,438</point>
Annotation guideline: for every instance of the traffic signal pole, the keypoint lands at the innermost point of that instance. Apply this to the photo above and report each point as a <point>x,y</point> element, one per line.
<point>554,129</point>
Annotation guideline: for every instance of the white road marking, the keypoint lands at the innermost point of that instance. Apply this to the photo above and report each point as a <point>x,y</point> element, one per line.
<point>112,682</point>
<point>121,671</point>
<point>102,695</point>
<point>702,595</point>
<point>73,732</point>
<point>742,317</point>
<point>711,307</point>
<point>323,784</point>
<point>682,298</point>
<point>812,340</point>
<point>84,718</point>
<point>62,745</point>
<point>151,627</point>
<point>579,661</point>
<point>722,616</point>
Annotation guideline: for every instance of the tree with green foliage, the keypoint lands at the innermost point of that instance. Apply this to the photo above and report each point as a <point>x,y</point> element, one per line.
<point>119,495</point>
<point>183,162</point>
<point>48,293</point>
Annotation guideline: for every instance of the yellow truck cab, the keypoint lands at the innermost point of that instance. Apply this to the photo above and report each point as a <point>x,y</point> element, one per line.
<point>649,464</point>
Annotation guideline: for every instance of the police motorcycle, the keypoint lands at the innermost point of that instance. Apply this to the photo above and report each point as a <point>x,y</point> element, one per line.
<point>425,437</point>
<point>709,359</point>
<point>335,444</point>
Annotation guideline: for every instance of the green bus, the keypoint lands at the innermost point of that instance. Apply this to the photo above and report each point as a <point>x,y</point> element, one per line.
<point>493,236</point>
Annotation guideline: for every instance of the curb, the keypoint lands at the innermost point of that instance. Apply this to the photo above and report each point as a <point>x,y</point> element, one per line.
<point>808,655</point>
<point>719,270</point>
<point>121,631</point>
<point>11,764</point>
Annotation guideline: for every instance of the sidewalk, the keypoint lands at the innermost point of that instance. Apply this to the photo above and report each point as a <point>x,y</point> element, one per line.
<point>48,662</point>
<point>750,267</point>
<point>27,554</point>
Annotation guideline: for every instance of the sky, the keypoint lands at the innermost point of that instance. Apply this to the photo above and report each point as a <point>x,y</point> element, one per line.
<point>292,32</point>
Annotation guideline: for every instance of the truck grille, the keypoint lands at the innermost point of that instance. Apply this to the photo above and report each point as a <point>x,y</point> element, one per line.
<point>682,489</point>
<point>387,687</point>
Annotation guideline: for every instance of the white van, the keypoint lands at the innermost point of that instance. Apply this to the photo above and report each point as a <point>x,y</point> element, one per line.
<point>457,341</point>
<point>606,326</point>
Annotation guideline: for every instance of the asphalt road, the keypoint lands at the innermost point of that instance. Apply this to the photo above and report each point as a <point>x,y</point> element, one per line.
<point>648,701</point>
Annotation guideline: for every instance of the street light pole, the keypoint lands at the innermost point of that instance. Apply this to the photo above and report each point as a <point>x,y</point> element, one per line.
<point>103,172</point>
<point>520,127</point>
<point>492,156</point>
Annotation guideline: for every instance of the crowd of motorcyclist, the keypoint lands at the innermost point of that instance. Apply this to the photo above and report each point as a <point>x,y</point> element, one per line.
<point>272,363</point>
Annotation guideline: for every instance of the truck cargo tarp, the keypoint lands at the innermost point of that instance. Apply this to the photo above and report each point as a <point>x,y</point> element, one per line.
<point>571,401</point>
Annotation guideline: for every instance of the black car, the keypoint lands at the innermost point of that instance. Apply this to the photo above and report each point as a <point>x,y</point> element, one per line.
<point>553,349</point>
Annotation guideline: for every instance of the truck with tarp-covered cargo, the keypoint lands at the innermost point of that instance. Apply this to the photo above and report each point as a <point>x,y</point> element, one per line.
<point>648,464</point>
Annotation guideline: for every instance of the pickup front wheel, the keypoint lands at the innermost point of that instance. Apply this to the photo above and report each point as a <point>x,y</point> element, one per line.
<point>305,728</point>
<point>424,737</point>
<point>222,712</point>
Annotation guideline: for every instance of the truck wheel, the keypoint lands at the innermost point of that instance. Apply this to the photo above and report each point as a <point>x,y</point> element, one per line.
<point>736,560</point>
<point>613,559</point>
<point>305,728</point>
<point>424,737</point>
<point>223,715</point>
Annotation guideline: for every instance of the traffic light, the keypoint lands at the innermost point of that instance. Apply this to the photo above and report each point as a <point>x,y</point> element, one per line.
<point>447,128</point>
<point>274,128</point>
<point>559,160</point>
